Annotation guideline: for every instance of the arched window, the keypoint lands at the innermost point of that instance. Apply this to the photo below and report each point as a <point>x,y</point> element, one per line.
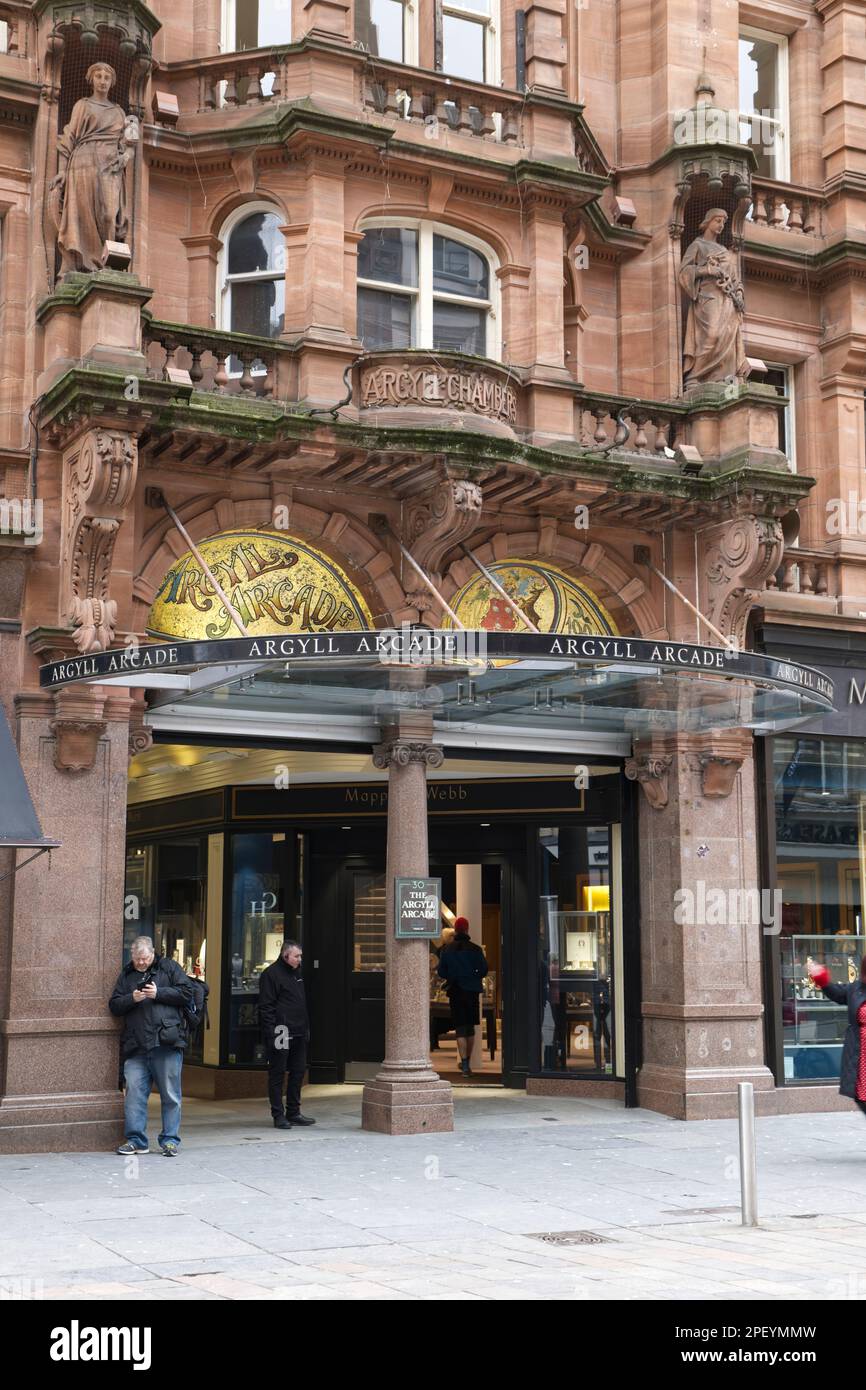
<point>253,280</point>
<point>422,285</point>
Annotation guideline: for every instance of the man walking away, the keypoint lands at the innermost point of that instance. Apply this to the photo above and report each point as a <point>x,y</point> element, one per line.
<point>286,1029</point>
<point>150,996</point>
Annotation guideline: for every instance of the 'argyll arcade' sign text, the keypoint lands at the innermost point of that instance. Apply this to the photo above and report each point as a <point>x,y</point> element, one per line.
<point>423,646</point>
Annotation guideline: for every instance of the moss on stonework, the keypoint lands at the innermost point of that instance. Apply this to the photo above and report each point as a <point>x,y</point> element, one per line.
<point>163,406</point>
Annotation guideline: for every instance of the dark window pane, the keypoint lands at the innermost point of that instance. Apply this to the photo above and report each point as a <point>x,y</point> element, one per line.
<point>463,48</point>
<point>389,254</point>
<point>457,328</point>
<point>258,307</point>
<point>257,244</point>
<point>379,26</point>
<point>457,269</point>
<point>384,320</point>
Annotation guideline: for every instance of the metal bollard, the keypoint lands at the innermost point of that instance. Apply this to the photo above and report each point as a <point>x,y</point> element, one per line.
<point>748,1155</point>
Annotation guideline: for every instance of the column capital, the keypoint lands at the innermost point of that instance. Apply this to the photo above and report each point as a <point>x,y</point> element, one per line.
<point>650,771</point>
<point>401,751</point>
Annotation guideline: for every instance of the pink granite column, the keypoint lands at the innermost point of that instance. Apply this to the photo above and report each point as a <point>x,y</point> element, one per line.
<point>407,1096</point>
<point>701,928</point>
<point>62,942</point>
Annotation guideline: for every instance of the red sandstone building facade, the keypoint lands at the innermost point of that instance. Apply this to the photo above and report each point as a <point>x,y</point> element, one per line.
<point>398,293</point>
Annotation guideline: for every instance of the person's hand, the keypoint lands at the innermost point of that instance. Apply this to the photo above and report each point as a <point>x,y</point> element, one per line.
<point>149,990</point>
<point>138,995</point>
<point>58,181</point>
<point>819,975</point>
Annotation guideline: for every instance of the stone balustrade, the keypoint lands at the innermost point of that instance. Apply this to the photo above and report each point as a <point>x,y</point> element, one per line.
<point>805,572</point>
<point>785,206</point>
<point>638,427</point>
<point>417,95</point>
<point>251,78</point>
<point>219,362</point>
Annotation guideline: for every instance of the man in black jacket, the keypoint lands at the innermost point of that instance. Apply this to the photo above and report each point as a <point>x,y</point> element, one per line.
<point>286,1028</point>
<point>149,995</point>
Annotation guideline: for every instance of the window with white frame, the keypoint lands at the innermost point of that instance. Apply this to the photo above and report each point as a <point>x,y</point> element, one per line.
<point>425,286</point>
<point>4,36</point>
<point>386,28</point>
<point>782,378</point>
<point>468,44</point>
<point>764,100</point>
<point>252,273</point>
<point>256,24</point>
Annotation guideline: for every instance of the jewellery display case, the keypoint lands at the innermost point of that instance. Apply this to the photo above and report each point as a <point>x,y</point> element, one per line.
<point>814,1027</point>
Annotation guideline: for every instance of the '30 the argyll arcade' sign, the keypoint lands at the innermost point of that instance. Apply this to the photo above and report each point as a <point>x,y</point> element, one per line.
<point>417,908</point>
<point>442,647</point>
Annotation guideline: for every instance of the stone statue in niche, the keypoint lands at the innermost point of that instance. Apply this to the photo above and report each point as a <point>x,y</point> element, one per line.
<point>713,348</point>
<point>88,196</point>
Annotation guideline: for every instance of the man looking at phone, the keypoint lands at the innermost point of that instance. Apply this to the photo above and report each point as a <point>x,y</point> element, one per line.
<point>149,995</point>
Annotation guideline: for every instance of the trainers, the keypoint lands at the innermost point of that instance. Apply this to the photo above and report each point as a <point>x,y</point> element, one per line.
<point>169,1148</point>
<point>301,1120</point>
<point>130,1148</point>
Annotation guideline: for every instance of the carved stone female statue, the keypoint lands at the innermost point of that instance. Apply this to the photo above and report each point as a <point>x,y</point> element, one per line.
<point>713,347</point>
<point>89,192</point>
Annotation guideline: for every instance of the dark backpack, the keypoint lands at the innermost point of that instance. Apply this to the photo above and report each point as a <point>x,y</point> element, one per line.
<point>195,1010</point>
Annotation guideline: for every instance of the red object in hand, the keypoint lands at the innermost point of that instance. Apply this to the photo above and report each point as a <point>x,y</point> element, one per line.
<point>820,976</point>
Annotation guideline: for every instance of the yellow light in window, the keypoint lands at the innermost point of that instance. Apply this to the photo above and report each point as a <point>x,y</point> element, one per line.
<point>596,897</point>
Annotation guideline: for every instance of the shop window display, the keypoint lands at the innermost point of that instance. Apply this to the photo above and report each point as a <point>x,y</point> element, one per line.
<point>820,806</point>
<point>575,950</point>
<point>166,884</point>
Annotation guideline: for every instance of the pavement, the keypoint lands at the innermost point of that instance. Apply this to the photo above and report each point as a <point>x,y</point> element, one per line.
<point>529,1198</point>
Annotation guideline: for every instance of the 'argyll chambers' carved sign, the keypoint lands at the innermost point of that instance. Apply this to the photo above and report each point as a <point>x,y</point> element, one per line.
<point>449,388</point>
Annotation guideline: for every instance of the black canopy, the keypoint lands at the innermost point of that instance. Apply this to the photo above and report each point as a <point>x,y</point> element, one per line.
<point>19,824</point>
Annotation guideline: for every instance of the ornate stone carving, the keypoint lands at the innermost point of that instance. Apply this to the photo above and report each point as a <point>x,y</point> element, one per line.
<point>88,196</point>
<point>446,516</point>
<point>78,726</point>
<point>720,759</point>
<point>480,391</point>
<point>741,554</point>
<point>98,483</point>
<point>713,345</point>
<point>650,771</point>
<point>400,752</point>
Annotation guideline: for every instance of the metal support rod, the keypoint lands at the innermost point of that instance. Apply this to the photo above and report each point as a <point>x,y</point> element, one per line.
<point>430,585</point>
<point>748,1154</point>
<point>728,641</point>
<point>230,608</point>
<point>491,579</point>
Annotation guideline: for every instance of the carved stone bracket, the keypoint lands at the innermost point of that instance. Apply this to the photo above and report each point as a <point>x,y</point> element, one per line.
<point>650,771</point>
<point>99,475</point>
<point>741,554</point>
<point>140,736</point>
<point>77,727</point>
<point>720,759</point>
<point>447,515</point>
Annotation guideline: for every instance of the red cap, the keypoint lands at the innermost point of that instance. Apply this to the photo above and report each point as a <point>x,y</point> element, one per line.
<point>461,924</point>
<point>820,975</point>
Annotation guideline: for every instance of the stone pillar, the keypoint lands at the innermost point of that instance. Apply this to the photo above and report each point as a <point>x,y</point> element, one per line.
<point>701,911</point>
<point>546,55</point>
<point>407,1096</point>
<point>61,942</point>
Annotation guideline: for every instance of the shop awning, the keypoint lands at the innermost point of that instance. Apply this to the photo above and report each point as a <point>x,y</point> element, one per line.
<point>19,824</point>
<point>496,682</point>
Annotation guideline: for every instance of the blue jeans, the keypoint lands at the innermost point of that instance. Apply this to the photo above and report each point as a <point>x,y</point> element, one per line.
<point>163,1066</point>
